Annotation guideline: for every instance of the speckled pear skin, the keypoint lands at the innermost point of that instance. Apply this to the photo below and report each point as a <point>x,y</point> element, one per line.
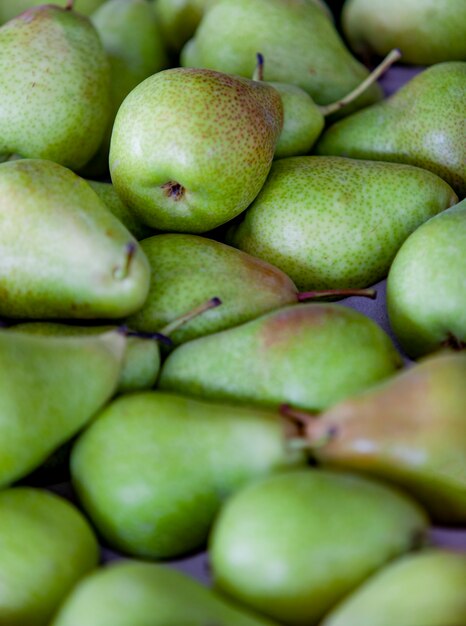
<point>426,31</point>
<point>11,8</point>
<point>425,588</point>
<point>292,545</point>
<point>192,148</point>
<point>63,254</point>
<point>188,270</point>
<point>46,547</point>
<point>409,430</point>
<point>46,112</point>
<point>331,222</point>
<point>422,124</point>
<point>426,294</point>
<point>299,43</point>
<point>307,355</point>
<point>62,382</point>
<point>126,592</point>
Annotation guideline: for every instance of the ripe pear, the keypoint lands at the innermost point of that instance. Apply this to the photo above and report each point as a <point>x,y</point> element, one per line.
<point>46,112</point>
<point>63,253</point>
<point>426,294</point>
<point>60,382</point>
<point>308,355</point>
<point>153,469</point>
<point>422,124</point>
<point>11,8</point>
<point>215,136</point>
<point>409,430</point>
<point>292,545</point>
<point>46,547</point>
<point>300,44</point>
<point>425,588</point>
<point>427,32</point>
<point>133,593</point>
<point>179,19</point>
<point>331,222</point>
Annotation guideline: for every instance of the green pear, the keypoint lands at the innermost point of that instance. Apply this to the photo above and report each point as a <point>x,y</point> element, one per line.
<point>427,32</point>
<point>153,469</point>
<point>292,545</point>
<point>300,44</point>
<point>46,546</point>
<point>422,124</point>
<point>409,430</point>
<point>331,222</point>
<point>11,8</point>
<point>425,588</point>
<point>54,87</point>
<point>426,295</point>
<point>180,18</point>
<point>63,253</point>
<point>132,593</point>
<point>132,40</point>
<point>308,355</point>
<point>215,136</point>
<point>50,388</point>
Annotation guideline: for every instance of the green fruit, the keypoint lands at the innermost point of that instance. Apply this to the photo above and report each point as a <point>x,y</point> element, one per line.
<point>46,546</point>
<point>12,8</point>
<point>63,254</point>
<point>215,136</point>
<point>179,19</point>
<point>145,594</point>
<point>422,124</point>
<point>426,296</point>
<point>46,112</point>
<point>308,355</point>
<point>292,545</point>
<point>153,469</point>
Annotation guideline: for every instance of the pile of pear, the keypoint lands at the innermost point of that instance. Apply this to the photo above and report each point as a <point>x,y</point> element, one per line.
<point>186,190</point>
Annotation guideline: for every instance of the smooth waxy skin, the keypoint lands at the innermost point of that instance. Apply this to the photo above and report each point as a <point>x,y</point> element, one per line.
<point>422,124</point>
<point>47,113</point>
<point>426,292</point>
<point>308,355</point>
<point>145,594</point>
<point>290,546</point>
<point>338,223</point>
<point>215,136</point>
<point>12,8</point>
<point>410,430</point>
<point>425,588</point>
<point>153,469</point>
<point>426,32</point>
<point>62,252</point>
<point>60,383</point>
<point>299,43</point>
<point>46,546</point>
<point>188,270</point>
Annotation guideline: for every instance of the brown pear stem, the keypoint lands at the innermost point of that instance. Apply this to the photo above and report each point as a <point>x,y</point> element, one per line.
<point>308,422</point>
<point>259,71</point>
<point>180,321</point>
<point>391,58</point>
<point>362,293</point>
<point>302,418</point>
<point>69,5</point>
<point>143,335</point>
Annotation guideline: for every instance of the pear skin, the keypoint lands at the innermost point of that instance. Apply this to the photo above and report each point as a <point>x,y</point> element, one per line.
<point>11,8</point>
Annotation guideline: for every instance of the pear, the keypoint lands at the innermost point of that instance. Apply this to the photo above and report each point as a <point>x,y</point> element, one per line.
<point>46,112</point>
<point>46,546</point>
<point>410,430</point>
<point>299,42</point>
<point>63,253</point>
<point>425,588</point>
<point>422,124</point>
<point>215,136</point>
<point>132,593</point>
<point>309,355</point>
<point>153,469</point>
<point>50,388</point>
<point>426,295</point>
<point>11,8</point>
<point>179,19</point>
<point>426,32</point>
<point>331,222</point>
<point>292,545</point>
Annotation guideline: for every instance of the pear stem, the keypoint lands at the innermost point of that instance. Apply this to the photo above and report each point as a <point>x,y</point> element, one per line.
<point>180,321</point>
<point>362,293</point>
<point>259,71</point>
<point>143,335</point>
<point>69,5</point>
<point>391,58</point>
<point>302,418</point>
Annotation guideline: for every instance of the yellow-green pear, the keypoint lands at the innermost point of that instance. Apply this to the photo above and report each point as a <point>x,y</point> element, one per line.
<point>12,8</point>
